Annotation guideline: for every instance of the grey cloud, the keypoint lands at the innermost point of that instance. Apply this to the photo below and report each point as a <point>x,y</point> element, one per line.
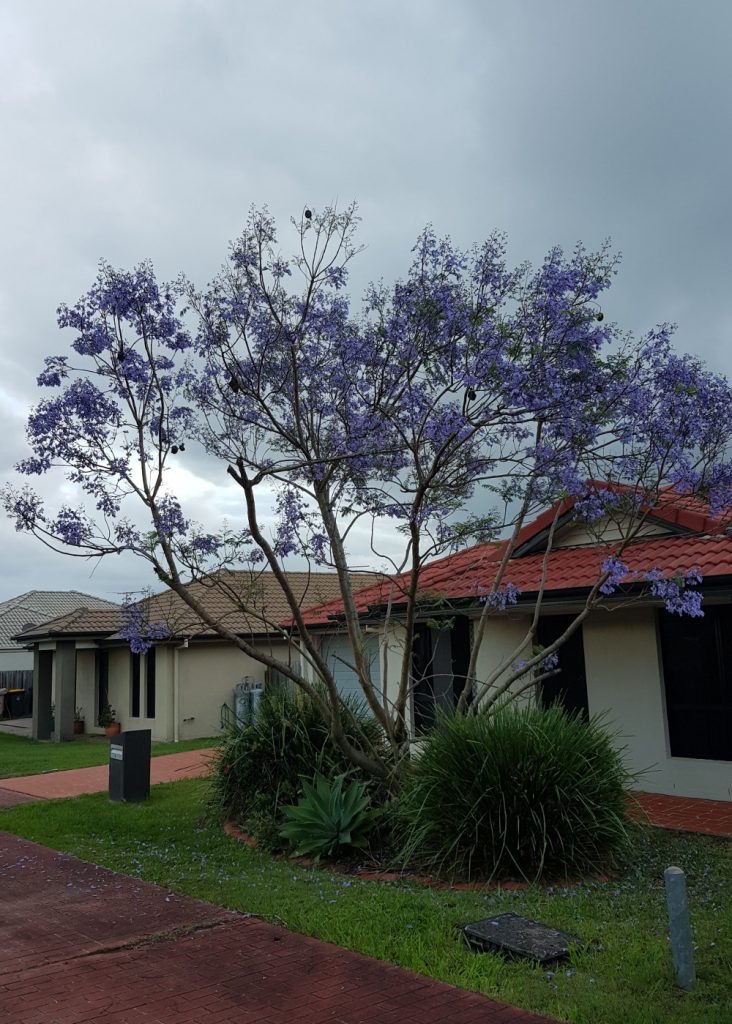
<point>146,130</point>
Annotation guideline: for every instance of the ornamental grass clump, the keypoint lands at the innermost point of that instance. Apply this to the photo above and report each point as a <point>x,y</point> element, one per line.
<point>521,792</point>
<point>260,768</point>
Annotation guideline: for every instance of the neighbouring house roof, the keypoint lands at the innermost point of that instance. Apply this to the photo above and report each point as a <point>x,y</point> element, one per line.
<point>39,606</point>
<point>694,540</point>
<point>89,622</point>
<point>247,603</point>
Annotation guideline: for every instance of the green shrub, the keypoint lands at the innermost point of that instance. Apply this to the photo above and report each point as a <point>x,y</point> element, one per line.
<point>258,769</point>
<point>327,817</point>
<point>522,791</point>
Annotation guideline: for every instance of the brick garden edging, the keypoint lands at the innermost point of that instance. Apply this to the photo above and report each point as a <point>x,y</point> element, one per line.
<point>235,832</point>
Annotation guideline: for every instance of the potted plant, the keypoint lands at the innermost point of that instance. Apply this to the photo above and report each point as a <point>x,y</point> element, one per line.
<point>78,721</point>
<point>108,720</point>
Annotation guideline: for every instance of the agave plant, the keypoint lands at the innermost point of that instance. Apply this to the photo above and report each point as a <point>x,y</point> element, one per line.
<point>327,816</point>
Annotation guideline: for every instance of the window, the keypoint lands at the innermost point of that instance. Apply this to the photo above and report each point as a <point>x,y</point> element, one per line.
<point>150,683</point>
<point>697,674</point>
<point>135,709</point>
<point>101,668</point>
<point>569,686</point>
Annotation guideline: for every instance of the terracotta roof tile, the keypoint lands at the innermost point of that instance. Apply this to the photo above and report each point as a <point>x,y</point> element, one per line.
<point>473,571</point>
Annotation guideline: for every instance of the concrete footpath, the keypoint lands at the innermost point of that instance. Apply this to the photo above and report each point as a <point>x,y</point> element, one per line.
<point>189,764</point>
<point>83,944</point>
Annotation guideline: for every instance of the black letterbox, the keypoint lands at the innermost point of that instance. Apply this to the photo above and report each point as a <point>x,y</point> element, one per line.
<point>129,765</point>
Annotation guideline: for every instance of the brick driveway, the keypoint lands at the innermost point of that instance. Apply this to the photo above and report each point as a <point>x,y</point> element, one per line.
<point>83,944</point>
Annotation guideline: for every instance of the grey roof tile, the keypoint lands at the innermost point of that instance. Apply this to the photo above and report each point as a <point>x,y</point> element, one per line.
<point>242,601</point>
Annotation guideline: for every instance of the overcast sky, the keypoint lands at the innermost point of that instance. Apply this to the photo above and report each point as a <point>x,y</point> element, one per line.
<point>146,128</point>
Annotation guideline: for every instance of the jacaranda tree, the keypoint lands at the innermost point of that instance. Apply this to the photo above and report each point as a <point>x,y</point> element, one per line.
<point>468,379</point>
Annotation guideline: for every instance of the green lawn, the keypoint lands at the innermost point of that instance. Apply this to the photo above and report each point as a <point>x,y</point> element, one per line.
<point>623,975</point>
<point>21,756</point>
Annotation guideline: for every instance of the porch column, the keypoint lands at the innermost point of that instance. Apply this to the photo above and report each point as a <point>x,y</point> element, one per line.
<point>42,674</point>
<point>65,690</point>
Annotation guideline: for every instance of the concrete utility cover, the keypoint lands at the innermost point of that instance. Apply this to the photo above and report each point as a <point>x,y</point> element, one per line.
<point>510,933</point>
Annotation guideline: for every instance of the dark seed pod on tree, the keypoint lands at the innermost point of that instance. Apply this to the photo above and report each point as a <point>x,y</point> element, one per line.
<point>121,354</point>
<point>233,383</point>
<point>308,215</point>
<point>174,449</point>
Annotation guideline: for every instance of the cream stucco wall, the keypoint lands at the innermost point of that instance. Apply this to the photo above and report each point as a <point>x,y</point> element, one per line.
<point>605,531</point>
<point>207,674</point>
<point>16,661</point>
<point>86,690</point>
<point>191,684</point>
<point>120,693</point>
<point>391,657</point>
<point>504,636</point>
<point>624,679</point>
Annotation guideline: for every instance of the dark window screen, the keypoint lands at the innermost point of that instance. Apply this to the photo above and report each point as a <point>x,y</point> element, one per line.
<point>569,686</point>
<point>697,673</point>
<point>135,710</point>
<point>150,684</point>
<point>102,673</point>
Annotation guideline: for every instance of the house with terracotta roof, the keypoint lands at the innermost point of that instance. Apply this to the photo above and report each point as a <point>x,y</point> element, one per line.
<point>664,681</point>
<point>176,688</point>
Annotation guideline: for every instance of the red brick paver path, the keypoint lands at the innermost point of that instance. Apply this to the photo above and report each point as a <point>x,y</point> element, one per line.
<point>688,814</point>
<point>83,944</point>
<point>188,764</point>
<point>10,799</point>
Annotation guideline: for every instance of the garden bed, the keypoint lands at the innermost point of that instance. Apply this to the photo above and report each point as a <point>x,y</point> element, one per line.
<point>383,874</point>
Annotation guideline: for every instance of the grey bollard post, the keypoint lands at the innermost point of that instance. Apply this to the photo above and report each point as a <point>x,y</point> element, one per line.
<point>678,921</point>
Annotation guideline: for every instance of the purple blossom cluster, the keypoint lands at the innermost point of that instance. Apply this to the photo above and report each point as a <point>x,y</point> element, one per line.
<point>616,571</point>
<point>676,592</point>
<point>72,526</point>
<point>206,544</point>
<point>139,633</point>
<point>597,503</point>
<point>169,519</point>
<point>25,507</point>
<point>502,597</point>
<point>291,513</point>
<point>549,663</point>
